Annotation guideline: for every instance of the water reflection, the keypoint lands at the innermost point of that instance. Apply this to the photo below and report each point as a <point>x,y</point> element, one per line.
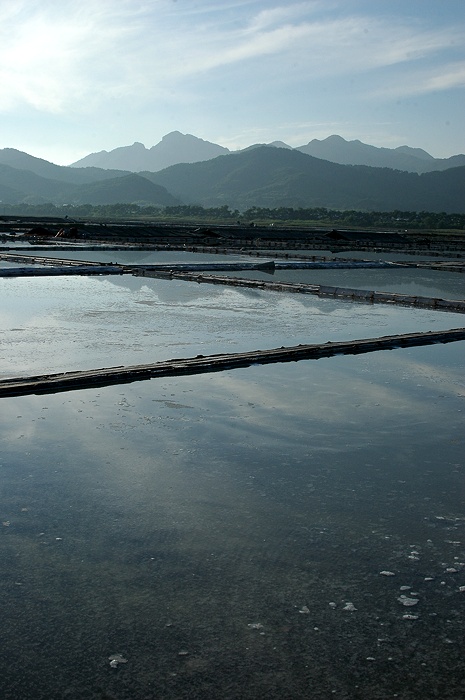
<point>414,282</point>
<point>70,323</point>
<point>136,257</point>
<point>212,529</point>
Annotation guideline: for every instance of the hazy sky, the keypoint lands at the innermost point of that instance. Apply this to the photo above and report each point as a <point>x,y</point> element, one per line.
<point>78,76</point>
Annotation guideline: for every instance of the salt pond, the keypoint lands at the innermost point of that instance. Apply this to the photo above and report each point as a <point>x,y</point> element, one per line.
<point>213,529</point>
<point>411,281</point>
<point>54,324</point>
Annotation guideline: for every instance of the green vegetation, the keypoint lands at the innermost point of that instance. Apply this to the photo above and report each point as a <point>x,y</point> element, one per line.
<point>319,216</point>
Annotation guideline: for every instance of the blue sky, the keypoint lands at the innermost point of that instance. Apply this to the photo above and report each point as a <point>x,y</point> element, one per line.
<point>78,76</point>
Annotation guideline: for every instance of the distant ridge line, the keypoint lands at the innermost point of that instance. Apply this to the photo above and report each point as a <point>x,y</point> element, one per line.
<point>176,147</point>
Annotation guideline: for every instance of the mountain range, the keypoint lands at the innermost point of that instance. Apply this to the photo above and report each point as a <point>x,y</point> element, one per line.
<point>271,176</point>
<point>172,149</point>
<point>184,148</point>
<point>278,177</point>
<point>25,179</point>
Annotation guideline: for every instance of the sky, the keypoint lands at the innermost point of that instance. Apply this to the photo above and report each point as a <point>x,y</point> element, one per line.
<point>80,76</point>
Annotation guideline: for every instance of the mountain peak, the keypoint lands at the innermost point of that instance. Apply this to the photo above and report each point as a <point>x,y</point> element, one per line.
<point>334,138</point>
<point>417,152</point>
<point>174,147</point>
<point>258,176</point>
<point>279,144</point>
<point>172,135</point>
<point>337,150</point>
<point>178,136</point>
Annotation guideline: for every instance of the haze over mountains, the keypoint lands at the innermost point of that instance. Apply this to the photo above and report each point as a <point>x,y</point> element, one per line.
<point>184,148</point>
<point>415,160</point>
<point>36,181</point>
<point>273,175</point>
<point>278,177</point>
<point>172,149</point>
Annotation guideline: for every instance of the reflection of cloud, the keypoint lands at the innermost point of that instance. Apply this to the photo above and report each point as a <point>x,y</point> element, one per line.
<point>7,320</point>
<point>164,290</point>
<point>449,379</point>
<point>73,323</point>
<point>276,406</point>
<point>131,458</point>
<point>336,396</point>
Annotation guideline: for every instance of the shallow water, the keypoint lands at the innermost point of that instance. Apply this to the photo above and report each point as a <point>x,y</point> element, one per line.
<point>413,282</point>
<point>54,324</point>
<point>136,257</point>
<point>390,255</point>
<point>213,529</point>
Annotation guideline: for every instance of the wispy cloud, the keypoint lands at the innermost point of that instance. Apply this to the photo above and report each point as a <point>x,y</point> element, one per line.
<point>423,81</point>
<point>56,56</point>
<point>54,53</point>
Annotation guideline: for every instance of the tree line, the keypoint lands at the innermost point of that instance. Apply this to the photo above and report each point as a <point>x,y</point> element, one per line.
<point>318,216</point>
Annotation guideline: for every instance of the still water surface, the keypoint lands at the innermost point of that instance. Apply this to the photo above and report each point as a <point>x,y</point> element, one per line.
<point>225,533</point>
<point>54,324</point>
<point>411,281</point>
<point>213,530</point>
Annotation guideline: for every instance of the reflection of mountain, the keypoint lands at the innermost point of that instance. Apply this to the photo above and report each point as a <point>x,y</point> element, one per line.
<point>126,257</point>
<point>173,292</point>
<point>134,284</point>
<point>400,281</point>
<point>414,282</point>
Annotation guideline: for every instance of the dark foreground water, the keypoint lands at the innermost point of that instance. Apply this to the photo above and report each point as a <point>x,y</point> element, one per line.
<point>226,534</point>
<point>282,532</point>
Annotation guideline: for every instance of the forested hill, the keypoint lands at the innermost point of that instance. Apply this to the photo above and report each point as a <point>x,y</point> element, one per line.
<point>275,177</point>
<point>263,176</point>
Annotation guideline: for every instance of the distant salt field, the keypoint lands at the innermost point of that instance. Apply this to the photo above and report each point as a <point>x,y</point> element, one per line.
<point>416,282</point>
